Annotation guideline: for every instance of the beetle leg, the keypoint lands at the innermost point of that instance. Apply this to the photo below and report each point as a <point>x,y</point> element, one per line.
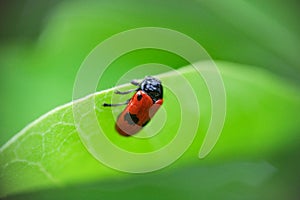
<point>115,104</point>
<point>135,82</point>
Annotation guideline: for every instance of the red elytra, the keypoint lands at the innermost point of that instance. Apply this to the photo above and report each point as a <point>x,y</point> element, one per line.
<point>137,114</point>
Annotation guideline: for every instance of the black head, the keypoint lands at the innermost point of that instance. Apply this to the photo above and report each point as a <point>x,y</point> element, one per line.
<point>152,87</point>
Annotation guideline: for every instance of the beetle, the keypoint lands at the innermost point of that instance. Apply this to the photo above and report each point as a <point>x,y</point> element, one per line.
<point>141,107</point>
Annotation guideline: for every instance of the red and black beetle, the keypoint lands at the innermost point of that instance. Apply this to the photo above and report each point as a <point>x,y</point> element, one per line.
<point>141,107</point>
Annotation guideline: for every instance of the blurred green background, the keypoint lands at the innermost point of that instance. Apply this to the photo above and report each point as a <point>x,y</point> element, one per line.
<point>42,44</point>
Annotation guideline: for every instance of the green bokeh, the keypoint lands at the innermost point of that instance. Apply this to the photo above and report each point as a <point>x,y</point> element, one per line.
<point>37,73</point>
<point>42,45</point>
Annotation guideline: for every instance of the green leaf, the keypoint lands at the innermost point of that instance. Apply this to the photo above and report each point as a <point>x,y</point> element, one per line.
<point>49,152</point>
<point>41,71</point>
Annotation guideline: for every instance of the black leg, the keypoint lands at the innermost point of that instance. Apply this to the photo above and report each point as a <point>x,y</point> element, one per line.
<point>115,104</point>
<point>134,82</point>
<point>125,92</point>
